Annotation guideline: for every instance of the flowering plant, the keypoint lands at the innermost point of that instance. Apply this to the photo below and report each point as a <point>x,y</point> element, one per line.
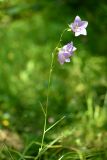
<point>64,54</point>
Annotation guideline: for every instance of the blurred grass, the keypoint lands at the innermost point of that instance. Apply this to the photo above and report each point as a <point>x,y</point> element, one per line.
<point>29,32</point>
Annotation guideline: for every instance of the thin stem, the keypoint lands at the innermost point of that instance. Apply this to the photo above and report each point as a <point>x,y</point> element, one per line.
<point>47,100</point>
<point>47,147</point>
<point>48,89</point>
<point>54,124</point>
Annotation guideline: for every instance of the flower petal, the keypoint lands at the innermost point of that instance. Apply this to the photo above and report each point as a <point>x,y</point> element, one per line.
<point>74,49</point>
<point>61,58</point>
<point>77,19</point>
<point>84,32</point>
<point>66,55</point>
<point>67,60</point>
<point>84,24</point>
<point>72,26</point>
<point>77,33</point>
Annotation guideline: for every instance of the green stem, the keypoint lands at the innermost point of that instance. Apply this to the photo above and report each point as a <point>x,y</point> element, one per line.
<point>48,89</point>
<point>47,100</point>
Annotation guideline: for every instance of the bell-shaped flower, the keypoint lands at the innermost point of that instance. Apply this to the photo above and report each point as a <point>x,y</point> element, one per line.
<point>65,53</point>
<point>79,26</point>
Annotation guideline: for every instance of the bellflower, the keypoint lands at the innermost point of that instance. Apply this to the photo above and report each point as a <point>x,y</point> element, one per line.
<point>79,26</point>
<point>65,53</point>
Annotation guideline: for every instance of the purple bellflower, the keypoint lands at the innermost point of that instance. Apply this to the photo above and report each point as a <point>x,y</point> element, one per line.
<point>65,53</point>
<point>79,26</point>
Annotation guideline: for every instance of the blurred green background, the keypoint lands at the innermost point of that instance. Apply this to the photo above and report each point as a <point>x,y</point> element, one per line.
<point>29,31</point>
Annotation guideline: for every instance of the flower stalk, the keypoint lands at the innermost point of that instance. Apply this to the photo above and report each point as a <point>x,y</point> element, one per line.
<point>64,54</point>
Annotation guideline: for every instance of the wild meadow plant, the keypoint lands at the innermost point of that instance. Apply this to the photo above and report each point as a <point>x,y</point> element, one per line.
<point>64,54</point>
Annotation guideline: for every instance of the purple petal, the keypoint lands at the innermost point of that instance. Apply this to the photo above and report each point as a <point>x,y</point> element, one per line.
<point>69,45</point>
<point>61,58</point>
<point>66,55</point>
<point>84,24</point>
<point>68,48</point>
<point>72,26</point>
<point>77,19</point>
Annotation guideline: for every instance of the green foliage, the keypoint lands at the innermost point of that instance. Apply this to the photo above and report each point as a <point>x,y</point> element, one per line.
<point>29,31</point>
